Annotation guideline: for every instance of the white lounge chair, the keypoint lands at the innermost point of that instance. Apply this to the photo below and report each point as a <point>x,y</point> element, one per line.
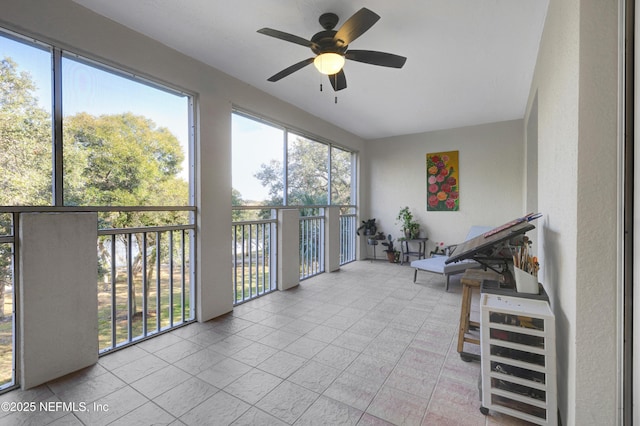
<point>437,265</point>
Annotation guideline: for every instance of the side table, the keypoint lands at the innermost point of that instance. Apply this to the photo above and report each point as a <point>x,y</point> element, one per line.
<point>406,252</point>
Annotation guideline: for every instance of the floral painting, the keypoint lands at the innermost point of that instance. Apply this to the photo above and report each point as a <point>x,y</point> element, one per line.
<point>443,191</point>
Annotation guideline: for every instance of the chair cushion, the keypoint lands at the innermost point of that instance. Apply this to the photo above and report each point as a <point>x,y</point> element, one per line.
<point>433,264</point>
<point>436,264</point>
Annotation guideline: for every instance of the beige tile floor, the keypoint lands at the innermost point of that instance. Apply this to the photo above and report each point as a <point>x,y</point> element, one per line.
<point>363,346</point>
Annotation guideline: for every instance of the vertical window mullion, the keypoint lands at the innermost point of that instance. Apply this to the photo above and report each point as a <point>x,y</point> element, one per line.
<point>285,166</point>
<point>329,178</point>
<point>57,158</point>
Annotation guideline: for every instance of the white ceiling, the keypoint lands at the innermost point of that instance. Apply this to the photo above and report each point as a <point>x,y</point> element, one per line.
<point>469,61</point>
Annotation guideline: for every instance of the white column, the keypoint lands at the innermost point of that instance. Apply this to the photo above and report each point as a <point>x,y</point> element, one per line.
<point>288,248</point>
<point>214,291</point>
<point>58,295</point>
<point>332,239</point>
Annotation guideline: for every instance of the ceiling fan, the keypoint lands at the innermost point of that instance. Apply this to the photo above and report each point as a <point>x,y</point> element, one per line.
<point>332,47</point>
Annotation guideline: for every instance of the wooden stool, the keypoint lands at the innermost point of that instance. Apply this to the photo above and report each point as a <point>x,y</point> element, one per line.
<point>471,279</point>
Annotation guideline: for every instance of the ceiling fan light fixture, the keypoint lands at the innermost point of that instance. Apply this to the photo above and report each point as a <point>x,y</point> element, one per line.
<point>329,63</point>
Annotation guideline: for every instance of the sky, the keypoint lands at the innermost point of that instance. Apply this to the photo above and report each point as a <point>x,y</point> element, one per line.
<point>254,144</point>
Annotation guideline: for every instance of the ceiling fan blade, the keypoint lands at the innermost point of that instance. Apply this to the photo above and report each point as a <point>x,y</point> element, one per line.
<point>355,26</point>
<point>286,37</point>
<point>376,58</point>
<point>338,81</point>
<point>290,70</point>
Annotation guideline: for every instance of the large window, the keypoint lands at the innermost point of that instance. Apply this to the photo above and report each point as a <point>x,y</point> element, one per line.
<point>342,165</point>
<point>25,123</point>
<point>74,132</point>
<point>124,140</point>
<point>275,166</point>
<point>257,162</point>
<point>307,171</point>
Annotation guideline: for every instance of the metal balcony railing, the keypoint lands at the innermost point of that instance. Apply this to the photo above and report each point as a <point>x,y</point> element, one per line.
<point>347,238</point>
<point>311,246</point>
<point>255,251</point>
<point>146,276</point>
<point>7,301</point>
<point>254,258</point>
<point>146,285</point>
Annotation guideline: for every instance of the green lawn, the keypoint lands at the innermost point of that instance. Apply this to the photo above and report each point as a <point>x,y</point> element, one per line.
<point>104,307</point>
<point>104,315</point>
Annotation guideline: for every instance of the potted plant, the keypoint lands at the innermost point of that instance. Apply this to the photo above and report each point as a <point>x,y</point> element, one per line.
<point>392,253</point>
<point>410,228</point>
<point>440,250</point>
<point>368,226</point>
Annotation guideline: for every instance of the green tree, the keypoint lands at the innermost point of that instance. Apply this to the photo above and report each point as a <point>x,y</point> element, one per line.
<point>340,176</point>
<point>307,172</point>
<point>308,175</point>
<point>271,177</point>
<point>124,159</point>
<point>236,200</point>
<point>25,140</point>
<point>25,159</point>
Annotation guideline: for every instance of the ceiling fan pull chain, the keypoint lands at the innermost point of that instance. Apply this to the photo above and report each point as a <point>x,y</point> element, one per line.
<point>336,100</point>
<point>321,87</point>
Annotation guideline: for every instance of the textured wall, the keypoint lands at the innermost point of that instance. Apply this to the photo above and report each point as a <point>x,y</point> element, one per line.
<point>576,86</point>
<point>58,295</point>
<point>491,178</point>
<point>288,248</point>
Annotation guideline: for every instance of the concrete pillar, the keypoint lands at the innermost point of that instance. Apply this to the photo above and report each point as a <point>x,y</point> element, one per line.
<point>58,295</point>
<point>214,292</point>
<point>332,239</point>
<point>288,248</point>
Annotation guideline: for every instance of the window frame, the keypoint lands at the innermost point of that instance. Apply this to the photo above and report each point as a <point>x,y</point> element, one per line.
<point>57,53</point>
<point>286,131</point>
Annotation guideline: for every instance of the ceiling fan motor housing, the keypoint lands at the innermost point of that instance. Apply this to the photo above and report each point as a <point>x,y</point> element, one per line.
<point>324,41</point>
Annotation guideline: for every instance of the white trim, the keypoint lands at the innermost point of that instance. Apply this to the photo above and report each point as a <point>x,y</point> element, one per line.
<point>635,413</point>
